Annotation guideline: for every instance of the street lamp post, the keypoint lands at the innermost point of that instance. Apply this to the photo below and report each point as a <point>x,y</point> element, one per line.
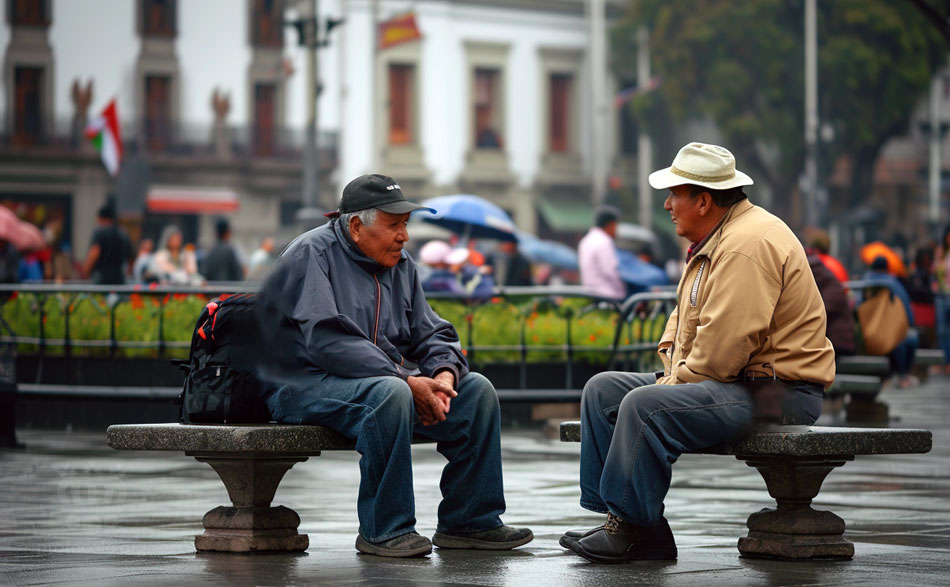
<point>307,25</point>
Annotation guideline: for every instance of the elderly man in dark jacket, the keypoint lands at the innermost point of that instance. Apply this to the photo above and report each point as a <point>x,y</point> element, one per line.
<point>362,352</point>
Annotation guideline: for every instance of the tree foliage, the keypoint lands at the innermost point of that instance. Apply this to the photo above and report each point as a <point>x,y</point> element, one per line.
<point>741,66</point>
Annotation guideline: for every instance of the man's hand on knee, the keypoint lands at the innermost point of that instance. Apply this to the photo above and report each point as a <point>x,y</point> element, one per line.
<point>431,398</point>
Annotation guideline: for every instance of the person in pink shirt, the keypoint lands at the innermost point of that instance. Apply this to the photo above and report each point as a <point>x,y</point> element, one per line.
<point>597,255</point>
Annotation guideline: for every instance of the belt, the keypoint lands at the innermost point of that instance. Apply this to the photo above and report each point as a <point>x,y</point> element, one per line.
<point>809,386</point>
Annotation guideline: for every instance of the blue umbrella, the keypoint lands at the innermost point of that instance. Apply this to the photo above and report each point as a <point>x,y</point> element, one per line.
<point>545,251</point>
<point>638,273</point>
<point>470,217</point>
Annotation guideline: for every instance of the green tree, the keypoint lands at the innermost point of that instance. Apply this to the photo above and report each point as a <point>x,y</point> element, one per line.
<point>741,66</point>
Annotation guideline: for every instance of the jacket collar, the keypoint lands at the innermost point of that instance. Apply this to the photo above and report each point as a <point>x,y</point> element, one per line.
<point>709,244</point>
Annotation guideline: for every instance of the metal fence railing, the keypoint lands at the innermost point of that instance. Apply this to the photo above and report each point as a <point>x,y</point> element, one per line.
<point>517,327</point>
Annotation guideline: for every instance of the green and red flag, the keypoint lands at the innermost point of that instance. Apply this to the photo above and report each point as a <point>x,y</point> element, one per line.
<point>104,134</point>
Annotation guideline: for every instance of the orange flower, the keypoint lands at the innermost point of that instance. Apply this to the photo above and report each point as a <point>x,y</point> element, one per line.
<point>136,300</point>
<point>593,338</point>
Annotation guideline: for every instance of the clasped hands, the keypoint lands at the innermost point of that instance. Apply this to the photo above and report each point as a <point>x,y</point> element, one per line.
<point>432,396</point>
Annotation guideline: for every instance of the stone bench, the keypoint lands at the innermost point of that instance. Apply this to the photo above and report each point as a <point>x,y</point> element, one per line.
<point>924,359</point>
<point>251,461</point>
<point>857,396</point>
<point>794,461</point>
<point>863,365</point>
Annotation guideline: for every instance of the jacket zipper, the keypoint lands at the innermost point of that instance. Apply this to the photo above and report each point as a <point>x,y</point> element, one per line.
<point>379,295</point>
<point>692,299</point>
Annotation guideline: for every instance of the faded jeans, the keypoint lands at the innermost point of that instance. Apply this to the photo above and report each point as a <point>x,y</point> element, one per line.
<point>379,413</point>
<point>632,431</point>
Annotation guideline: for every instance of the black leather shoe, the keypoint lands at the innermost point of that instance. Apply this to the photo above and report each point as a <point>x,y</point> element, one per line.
<point>619,542</point>
<point>575,535</point>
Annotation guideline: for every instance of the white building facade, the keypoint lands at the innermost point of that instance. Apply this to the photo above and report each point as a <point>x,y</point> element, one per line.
<point>493,98</point>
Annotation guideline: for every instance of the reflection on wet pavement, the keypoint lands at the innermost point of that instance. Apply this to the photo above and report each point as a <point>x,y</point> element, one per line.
<point>78,512</point>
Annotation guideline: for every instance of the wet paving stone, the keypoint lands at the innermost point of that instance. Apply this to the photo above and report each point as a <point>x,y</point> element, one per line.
<point>77,512</point>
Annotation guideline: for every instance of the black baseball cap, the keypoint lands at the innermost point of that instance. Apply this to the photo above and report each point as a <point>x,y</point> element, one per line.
<point>374,191</point>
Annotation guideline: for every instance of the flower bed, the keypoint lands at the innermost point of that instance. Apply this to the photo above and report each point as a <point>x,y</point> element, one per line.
<point>500,330</point>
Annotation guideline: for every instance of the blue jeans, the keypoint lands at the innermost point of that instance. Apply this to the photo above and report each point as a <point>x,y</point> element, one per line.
<point>942,311</point>
<point>632,431</point>
<point>379,413</point>
<point>902,357</point>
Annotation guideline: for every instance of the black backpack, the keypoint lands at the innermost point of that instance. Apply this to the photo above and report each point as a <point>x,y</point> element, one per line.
<point>221,384</point>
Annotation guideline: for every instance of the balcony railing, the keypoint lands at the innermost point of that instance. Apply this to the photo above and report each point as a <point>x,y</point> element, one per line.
<point>179,140</point>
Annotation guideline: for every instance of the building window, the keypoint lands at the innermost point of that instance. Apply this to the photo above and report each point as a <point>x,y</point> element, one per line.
<point>28,122</point>
<point>267,23</point>
<point>560,94</point>
<point>264,118</point>
<point>487,135</point>
<point>29,13</point>
<point>158,18</point>
<point>157,112</point>
<point>400,103</point>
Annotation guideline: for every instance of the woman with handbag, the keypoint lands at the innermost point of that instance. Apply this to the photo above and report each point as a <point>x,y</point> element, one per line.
<point>902,355</point>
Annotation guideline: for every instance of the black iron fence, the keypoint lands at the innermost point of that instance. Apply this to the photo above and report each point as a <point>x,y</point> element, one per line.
<point>524,333</point>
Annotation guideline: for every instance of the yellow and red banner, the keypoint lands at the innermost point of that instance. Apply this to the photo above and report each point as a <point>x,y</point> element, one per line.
<point>398,29</point>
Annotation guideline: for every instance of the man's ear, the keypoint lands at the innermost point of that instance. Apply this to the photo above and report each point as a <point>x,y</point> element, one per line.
<point>356,227</point>
<point>705,202</point>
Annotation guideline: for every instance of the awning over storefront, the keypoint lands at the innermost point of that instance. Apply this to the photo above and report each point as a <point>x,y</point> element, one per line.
<point>190,200</point>
<point>566,215</point>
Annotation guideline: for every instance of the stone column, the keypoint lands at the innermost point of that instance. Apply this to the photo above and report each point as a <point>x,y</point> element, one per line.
<point>250,524</point>
<point>793,530</point>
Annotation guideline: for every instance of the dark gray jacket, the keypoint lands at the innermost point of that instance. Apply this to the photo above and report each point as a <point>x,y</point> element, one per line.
<point>328,307</point>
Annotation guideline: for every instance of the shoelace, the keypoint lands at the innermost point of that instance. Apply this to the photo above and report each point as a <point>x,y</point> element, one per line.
<point>612,525</point>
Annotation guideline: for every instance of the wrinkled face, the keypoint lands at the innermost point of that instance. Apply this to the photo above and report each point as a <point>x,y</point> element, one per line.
<point>684,210</point>
<point>383,240</point>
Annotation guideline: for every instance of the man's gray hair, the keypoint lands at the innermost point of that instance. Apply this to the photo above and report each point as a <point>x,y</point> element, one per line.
<point>367,217</point>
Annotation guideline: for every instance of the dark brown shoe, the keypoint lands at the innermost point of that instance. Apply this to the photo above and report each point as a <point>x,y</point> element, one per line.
<point>619,542</point>
<point>574,535</point>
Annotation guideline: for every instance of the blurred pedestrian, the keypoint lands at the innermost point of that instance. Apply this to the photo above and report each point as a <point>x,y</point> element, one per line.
<point>173,262</point>
<point>476,280</point>
<point>840,327</point>
<point>818,242</point>
<point>141,267</point>
<point>597,256</point>
<point>222,263</point>
<point>510,266</point>
<point>9,262</point>
<point>902,357</point>
<point>111,250</point>
<point>747,339</point>
<point>261,258</point>
<point>439,276</point>
<point>920,287</point>
<point>942,298</point>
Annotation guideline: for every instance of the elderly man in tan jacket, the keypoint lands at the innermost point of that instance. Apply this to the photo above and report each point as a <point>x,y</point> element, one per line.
<point>749,326</point>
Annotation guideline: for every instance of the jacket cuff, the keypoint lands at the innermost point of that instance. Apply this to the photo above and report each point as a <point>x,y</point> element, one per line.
<point>402,372</point>
<point>451,369</point>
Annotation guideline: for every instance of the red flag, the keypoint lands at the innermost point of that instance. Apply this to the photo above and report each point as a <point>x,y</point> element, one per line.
<point>398,29</point>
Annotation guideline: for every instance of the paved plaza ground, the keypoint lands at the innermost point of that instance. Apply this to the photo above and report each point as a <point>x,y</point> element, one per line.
<point>76,512</point>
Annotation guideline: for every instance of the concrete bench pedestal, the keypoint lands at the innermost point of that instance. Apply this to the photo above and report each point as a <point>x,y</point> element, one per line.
<point>794,461</point>
<point>251,462</point>
<point>793,530</point>
<point>250,524</point>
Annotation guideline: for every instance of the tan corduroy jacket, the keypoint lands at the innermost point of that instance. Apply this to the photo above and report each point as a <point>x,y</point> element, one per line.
<point>748,301</point>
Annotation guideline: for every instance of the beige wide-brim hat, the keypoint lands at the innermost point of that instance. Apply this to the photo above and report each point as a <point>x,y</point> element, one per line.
<point>700,164</point>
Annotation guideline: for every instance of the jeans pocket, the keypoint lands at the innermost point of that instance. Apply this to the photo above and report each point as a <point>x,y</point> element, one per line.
<point>611,413</point>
